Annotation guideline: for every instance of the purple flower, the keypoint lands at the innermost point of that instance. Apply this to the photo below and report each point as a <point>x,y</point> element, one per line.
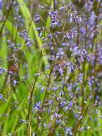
<point>70,104</point>
<point>28,43</point>
<point>37,106</point>
<point>61,71</point>
<point>37,18</point>
<point>1,71</point>
<point>55,115</point>
<point>50,101</point>
<point>68,131</point>
<point>1,4</point>
<point>62,104</point>
<point>68,35</point>
<point>83,31</point>
<point>92,17</point>
<point>1,96</point>
<point>14,82</point>
<point>91,81</point>
<point>55,22</point>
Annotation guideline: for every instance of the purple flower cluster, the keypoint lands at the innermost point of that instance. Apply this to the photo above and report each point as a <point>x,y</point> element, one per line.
<point>63,92</point>
<point>74,53</point>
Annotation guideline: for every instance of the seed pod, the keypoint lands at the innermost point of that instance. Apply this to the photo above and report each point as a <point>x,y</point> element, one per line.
<point>61,63</point>
<point>13,68</point>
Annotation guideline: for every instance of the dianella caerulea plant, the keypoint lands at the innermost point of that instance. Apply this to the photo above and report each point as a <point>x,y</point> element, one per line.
<point>50,68</point>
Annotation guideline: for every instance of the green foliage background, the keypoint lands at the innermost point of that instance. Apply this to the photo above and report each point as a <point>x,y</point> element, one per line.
<point>14,106</point>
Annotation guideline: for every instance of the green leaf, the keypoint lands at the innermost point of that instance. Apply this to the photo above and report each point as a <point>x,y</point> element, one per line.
<point>31,27</point>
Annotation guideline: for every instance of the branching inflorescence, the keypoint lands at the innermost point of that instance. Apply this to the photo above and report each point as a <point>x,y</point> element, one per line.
<point>61,96</point>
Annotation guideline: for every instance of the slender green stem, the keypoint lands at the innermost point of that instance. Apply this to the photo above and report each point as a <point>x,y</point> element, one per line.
<point>29,128</point>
